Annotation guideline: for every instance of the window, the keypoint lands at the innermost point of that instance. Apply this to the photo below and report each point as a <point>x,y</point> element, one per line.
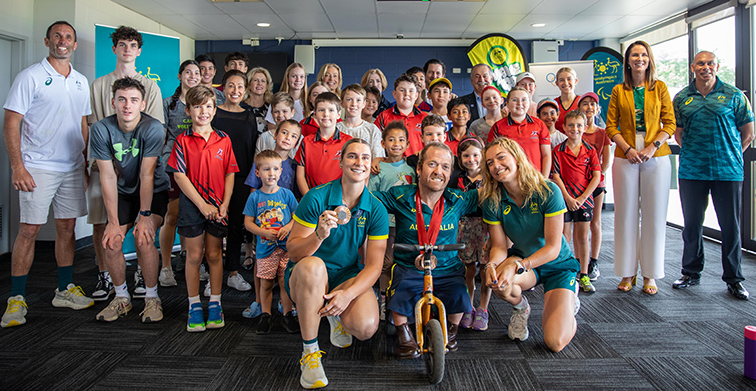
<point>719,37</point>
<point>672,66</point>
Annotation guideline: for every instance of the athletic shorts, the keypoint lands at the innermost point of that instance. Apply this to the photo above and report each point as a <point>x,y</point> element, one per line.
<point>556,279</point>
<point>599,191</point>
<point>272,266</point>
<point>211,227</point>
<point>335,277</point>
<point>64,190</point>
<point>174,192</point>
<point>406,288</point>
<point>129,206</point>
<point>97,213</point>
<point>578,216</point>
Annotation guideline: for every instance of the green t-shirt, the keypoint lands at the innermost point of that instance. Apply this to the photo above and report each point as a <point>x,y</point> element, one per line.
<point>639,96</point>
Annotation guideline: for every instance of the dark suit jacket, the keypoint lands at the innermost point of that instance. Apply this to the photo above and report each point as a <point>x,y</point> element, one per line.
<point>472,105</point>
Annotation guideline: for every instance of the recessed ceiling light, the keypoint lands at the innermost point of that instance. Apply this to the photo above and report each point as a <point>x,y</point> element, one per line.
<point>533,25</point>
<point>263,25</point>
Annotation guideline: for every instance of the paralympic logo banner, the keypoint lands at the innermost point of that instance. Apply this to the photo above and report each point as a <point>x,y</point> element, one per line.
<point>607,73</point>
<point>159,60</point>
<point>503,54</point>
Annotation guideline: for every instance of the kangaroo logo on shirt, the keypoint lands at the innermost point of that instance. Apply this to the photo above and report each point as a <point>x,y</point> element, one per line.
<point>48,81</point>
<point>120,152</point>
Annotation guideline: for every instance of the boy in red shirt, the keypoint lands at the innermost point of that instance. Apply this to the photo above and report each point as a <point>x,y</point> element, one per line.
<point>531,133</point>
<point>405,93</point>
<point>319,154</point>
<point>203,163</point>
<point>577,172</point>
<point>459,114</point>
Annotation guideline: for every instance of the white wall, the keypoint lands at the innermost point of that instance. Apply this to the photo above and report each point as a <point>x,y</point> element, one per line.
<point>28,20</point>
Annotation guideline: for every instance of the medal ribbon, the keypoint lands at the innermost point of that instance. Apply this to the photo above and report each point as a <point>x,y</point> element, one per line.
<point>430,236</point>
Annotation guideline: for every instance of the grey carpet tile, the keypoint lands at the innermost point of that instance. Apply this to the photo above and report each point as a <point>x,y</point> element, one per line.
<point>37,334</point>
<point>614,307</point>
<point>691,373</point>
<point>66,370</point>
<point>128,335</point>
<point>654,339</point>
<point>162,372</point>
<point>258,373</point>
<point>698,309</point>
<point>598,374</point>
<point>586,344</point>
<point>723,338</point>
<point>176,341</point>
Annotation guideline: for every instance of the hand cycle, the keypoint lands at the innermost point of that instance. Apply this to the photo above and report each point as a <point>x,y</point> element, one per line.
<point>431,333</point>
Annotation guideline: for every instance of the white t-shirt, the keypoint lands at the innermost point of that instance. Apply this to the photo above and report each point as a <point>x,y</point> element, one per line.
<point>267,140</point>
<point>298,112</point>
<point>53,106</point>
<point>368,132</point>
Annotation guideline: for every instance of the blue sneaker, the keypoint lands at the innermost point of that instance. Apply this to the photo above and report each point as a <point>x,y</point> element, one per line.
<point>253,311</point>
<point>215,315</point>
<point>196,321</point>
<point>280,307</point>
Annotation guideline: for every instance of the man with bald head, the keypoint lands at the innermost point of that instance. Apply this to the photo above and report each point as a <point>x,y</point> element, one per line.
<point>714,128</point>
<point>480,77</point>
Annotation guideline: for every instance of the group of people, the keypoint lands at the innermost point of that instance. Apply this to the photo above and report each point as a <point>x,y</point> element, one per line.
<point>319,182</point>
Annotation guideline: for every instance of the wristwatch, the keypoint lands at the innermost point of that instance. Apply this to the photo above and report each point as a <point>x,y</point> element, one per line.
<point>520,267</point>
<point>657,144</point>
<point>145,213</point>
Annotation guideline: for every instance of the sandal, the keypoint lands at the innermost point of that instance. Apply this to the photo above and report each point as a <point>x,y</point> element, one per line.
<point>651,288</point>
<point>626,284</point>
<point>249,263</point>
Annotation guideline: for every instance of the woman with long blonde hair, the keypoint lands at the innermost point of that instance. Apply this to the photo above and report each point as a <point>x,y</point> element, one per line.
<point>518,203</point>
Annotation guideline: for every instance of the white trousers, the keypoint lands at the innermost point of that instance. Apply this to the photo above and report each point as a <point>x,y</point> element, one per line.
<point>641,195</point>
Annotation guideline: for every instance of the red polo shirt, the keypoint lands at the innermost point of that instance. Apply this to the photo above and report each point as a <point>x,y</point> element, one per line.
<point>413,122</point>
<point>531,133</point>
<point>563,112</point>
<point>205,163</point>
<point>453,143</point>
<point>320,158</point>
<point>576,171</point>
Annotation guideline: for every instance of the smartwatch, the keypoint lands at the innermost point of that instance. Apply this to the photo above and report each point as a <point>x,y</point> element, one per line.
<point>520,268</point>
<point>657,144</point>
<point>145,213</point>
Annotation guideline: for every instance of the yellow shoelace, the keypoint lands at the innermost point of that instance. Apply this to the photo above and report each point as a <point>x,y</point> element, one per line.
<point>340,330</point>
<point>311,360</point>
<point>77,291</point>
<point>15,305</point>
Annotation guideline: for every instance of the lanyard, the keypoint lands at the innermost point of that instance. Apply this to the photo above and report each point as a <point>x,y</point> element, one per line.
<point>430,236</point>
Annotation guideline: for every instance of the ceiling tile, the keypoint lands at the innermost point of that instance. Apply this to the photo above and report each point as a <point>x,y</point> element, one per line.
<point>220,25</point>
<point>439,23</point>
<point>455,7</point>
<point>402,7</point>
<point>295,6</point>
<point>484,24</point>
<point>277,27</point>
<point>184,26</point>
<point>561,7</point>
<point>356,8</point>
<point>245,8</point>
<point>504,7</point>
<point>145,7</point>
<point>308,22</point>
<point>392,24</point>
<point>197,7</point>
<point>667,8</point>
<point>347,26</point>
<point>614,7</point>
<point>622,26</point>
<point>577,27</point>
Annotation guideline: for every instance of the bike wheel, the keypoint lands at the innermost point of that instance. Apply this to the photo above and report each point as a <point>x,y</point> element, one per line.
<point>436,348</point>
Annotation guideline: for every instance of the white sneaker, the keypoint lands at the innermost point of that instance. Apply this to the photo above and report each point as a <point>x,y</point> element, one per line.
<point>204,275</point>
<point>207,289</point>
<point>15,313</point>
<point>238,282</point>
<point>73,298</point>
<point>339,336</point>
<point>313,375</point>
<point>167,277</point>
<point>518,323</point>
<point>139,290</point>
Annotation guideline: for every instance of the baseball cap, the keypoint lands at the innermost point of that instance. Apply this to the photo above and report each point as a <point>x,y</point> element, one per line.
<point>547,101</point>
<point>525,75</point>
<point>439,80</point>
<point>588,95</point>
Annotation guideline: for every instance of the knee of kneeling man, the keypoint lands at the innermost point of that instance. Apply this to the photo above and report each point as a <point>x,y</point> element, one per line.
<point>366,328</point>
<point>556,343</point>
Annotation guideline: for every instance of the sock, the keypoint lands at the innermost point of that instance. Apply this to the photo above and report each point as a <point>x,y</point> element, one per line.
<point>581,275</point>
<point>18,285</point>
<point>311,345</point>
<point>65,277</point>
<point>122,291</point>
<point>193,299</point>
<point>215,298</point>
<point>523,303</point>
<point>594,260</point>
<point>151,291</point>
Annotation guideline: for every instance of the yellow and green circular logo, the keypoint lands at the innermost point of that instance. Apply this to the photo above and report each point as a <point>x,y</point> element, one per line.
<point>498,55</point>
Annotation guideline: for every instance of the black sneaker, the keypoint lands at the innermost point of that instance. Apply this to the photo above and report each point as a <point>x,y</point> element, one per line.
<point>593,270</point>
<point>103,289</point>
<point>264,326</point>
<point>139,289</point>
<point>290,323</point>
<point>181,261</point>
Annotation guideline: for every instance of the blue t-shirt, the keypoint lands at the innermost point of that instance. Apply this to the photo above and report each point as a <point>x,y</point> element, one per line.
<point>270,211</point>
<point>288,179</point>
<point>340,249</point>
<point>711,149</point>
<point>392,174</point>
<point>525,226</point>
<point>401,201</point>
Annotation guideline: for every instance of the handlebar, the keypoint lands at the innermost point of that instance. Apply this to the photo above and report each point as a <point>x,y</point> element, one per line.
<point>417,247</point>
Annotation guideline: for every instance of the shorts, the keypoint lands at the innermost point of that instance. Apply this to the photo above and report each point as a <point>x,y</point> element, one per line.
<point>556,279</point>
<point>129,206</point>
<point>335,277</point>
<point>599,191</point>
<point>97,213</point>
<point>578,216</point>
<point>406,288</point>
<point>211,227</point>
<point>471,233</point>
<point>174,192</point>
<point>273,265</point>
<point>64,190</point>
